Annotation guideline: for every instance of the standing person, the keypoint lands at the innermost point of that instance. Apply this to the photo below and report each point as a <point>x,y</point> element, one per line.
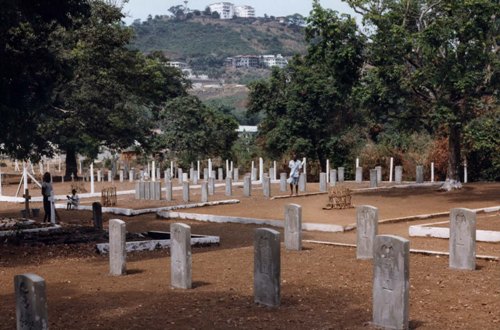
<point>46,191</point>
<point>295,166</point>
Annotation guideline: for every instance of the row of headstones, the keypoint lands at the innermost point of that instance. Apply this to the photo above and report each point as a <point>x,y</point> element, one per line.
<point>376,175</point>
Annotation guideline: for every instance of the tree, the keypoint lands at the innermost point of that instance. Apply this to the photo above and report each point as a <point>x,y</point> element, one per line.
<point>30,68</point>
<point>207,11</point>
<point>438,57</point>
<point>215,15</point>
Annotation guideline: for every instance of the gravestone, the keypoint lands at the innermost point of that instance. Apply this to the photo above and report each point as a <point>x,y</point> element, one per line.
<point>131,176</point>
<point>420,174</point>
<point>398,174</point>
<point>213,175</point>
<point>110,176</point>
<point>266,186</point>
<point>211,186</point>
<point>366,230</point>
<point>205,174</point>
<point>185,191</point>
<point>359,174</point>
<point>391,282</point>
<point>180,260</point>
<point>220,174</point>
<point>293,227</point>
<point>166,174</point>
<point>97,215</point>
<point>179,175</point>
<point>267,267</point>
<point>158,174</point>
<point>229,186</point>
<point>462,239</point>
<point>373,178</point>
<point>195,177</point>
<point>254,174</point>
<point>168,190</point>
<point>121,175</point>
<point>117,252</point>
<point>379,173</point>
<point>204,192</point>
<point>282,182</point>
<point>247,186</point>
<point>333,177</point>
<point>341,174</point>
<point>99,175</point>
<point>31,302</point>
<point>302,182</point>
<point>236,174</point>
<point>322,182</point>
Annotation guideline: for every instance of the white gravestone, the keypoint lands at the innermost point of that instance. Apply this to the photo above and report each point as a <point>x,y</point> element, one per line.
<point>31,302</point>
<point>267,267</point>
<point>293,227</point>
<point>117,251</point>
<point>185,191</point>
<point>366,230</point>
<point>340,174</point>
<point>283,182</point>
<point>204,192</point>
<point>247,186</point>
<point>180,260</point>
<point>462,239</point>
<point>229,186</point>
<point>322,182</point>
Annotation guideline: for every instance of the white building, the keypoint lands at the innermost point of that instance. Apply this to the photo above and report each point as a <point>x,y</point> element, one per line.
<point>244,11</point>
<point>269,61</point>
<point>224,9</point>
<point>178,65</point>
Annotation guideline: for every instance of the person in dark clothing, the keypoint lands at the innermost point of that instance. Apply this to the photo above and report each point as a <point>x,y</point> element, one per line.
<point>46,192</point>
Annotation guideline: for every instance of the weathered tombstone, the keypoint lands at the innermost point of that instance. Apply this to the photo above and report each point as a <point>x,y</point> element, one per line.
<point>266,186</point>
<point>333,177</point>
<point>220,174</point>
<point>247,186</point>
<point>293,227</point>
<point>131,176</point>
<point>185,177</point>
<point>367,229</point>
<point>205,174</point>
<point>391,282</point>
<point>195,177</point>
<point>398,174</point>
<point>158,190</point>
<point>213,175</point>
<point>31,302</point>
<point>185,191</point>
<point>179,175</point>
<point>254,174</point>
<point>267,267</point>
<point>359,174</point>
<point>99,175</point>
<point>204,192</point>
<point>147,190</point>
<point>121,175</point>
<point>168,190</point>
<point>302,182</point>
<point>166,174</point>
<point>462,239</point>
<point>373,178</point>
<point>282,182</point>
<point>236,174</point>
<point>420,174</point>
<point>97,215</point>
<point>117,252</point>
<point>379,173</point>
<point>229,186</point>
<point>322,182</point>
<point>211,185</point>
<point>158,174</point>
<point>341,174</point>
<point>180,260</point>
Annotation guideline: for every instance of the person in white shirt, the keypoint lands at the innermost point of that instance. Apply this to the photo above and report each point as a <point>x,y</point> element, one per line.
<point>295,166</point>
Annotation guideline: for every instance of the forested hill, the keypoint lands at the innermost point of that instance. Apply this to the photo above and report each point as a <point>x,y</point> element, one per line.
<point>202,37</point>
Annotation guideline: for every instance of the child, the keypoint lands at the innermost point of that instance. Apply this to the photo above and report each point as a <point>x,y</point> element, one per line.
<point>73,200</point>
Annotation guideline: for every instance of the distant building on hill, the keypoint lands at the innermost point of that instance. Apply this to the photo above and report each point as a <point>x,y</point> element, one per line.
<point>178,65</point>
<point>227,10</point>
<point>269,61</point>
<point>244,11</point>
<point>256,61</point>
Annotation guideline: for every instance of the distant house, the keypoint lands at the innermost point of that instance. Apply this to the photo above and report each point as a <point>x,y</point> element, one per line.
<point>178,65</point>
<point>268,61</point>
<point>243,61</point>
<point>224,9</point>
<point>244,11</point>
<point>247,131</point>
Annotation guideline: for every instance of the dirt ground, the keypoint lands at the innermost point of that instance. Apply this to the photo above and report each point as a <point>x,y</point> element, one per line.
<point>322,287</point>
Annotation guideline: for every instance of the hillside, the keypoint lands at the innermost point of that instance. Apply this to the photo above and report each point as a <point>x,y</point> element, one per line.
<point>215,39</point>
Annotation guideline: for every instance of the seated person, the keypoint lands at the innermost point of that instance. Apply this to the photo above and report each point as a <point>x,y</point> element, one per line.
<point>73,200</point>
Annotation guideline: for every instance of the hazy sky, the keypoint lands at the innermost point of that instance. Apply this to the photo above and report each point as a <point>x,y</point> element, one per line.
<point>142,8</point>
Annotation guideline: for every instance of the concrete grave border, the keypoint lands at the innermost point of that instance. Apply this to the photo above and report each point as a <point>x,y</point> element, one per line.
<point>7,233</point>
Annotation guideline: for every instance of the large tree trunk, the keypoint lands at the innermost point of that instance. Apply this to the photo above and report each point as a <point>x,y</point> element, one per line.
<point>454,147</point>
<point>71,166</point>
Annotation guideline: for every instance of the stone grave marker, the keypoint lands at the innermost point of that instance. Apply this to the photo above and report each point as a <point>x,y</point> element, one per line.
<point>398,174</point>
<point>373,178</point>
<point>97,215</point>
<point>247,186</point>
<point>267,267</point>
<point>266,186</point>
<point>379,173</point>
<point>211,186</point>
<point>220,174</point>
<point>229,186</point>
<point>180,260</point>
<point>283,182</point>
<point>117,251</point>
<point>254,174</point>
<point>99,175</point>
<point>359,174</point>
<point>121,175</point>
<point>185,191</point>
<point>341,174</point>
<point>131,176</point>
<point>204,192</point>
<point>236,174</point>
<point>367,230</point>
<point>110,176</point>
<point>179,175</point>
<point>333,177</point>
<point>322,182</point>
<point>31,302</point>
<point>293,227</point>
<point>420,174</point>
<point>168,189</point>
<point>391,282</point>
<point>195,177</point>
<point>462,239</point>
<point>205,174</point>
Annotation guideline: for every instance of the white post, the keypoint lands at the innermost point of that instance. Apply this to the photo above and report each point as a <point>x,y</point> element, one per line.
<point>209,168</point>
<point>465,172</point>
<point>391,169</point>
<point>274,171</point>
<point>261,168</point>
<point>357,162</point>
<point>80,169</point>
<point>149,170</point>
<point>227,167</point>
<point>198,169</point>
<point>251,171</point>
<point>327,171</point>
<point>92,178</point>
<point>171,169</point>
<point>432,172</point>
<point>304,166</point>
<point>153,171</point>
<point>232,167</point>
<point>25,176</point>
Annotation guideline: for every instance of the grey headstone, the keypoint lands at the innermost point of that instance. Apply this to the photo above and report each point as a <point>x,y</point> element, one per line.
<point>121,175</point>
<point>391,282</point>
<point>341,174</point>
<point>302,182</point>
<point>179,175</point>
<point>322,182</point>
<point>117,252</point>
<point>180,260</point>
<point>359,174</point>
<point>254,174</point>
<point>398,174</point>
<point>379,173</point>
<point>158,190</point>
<point>333,177</point>
<point>185,177</point>
<point>373,178</point>
<point>420,174</point>
<point>205,174</point>
<point>185,191</point>
<point>229,186</point>
<point>158,174</point>
<point>99,176</point>
<point>168,189</point>
<point>367,229</point>
<point>236,174</point>
<point>191,174</point>
<point>195,177</point>
<point>166,174</point>
<point>462,239</point>
<point>97,215</point>
<point>213,175</point>
<point>110,176</point>
<point>247,186</point>
<point>293,227</point>
<point>204,192</point>
<point>31,302</point>
<point>220,174</point>
<point>283,182</point>
<point>211,185</point>
<point>147,190</point>
<point>131,176</point>
<point>266,186</point>
<point>267,267</point>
